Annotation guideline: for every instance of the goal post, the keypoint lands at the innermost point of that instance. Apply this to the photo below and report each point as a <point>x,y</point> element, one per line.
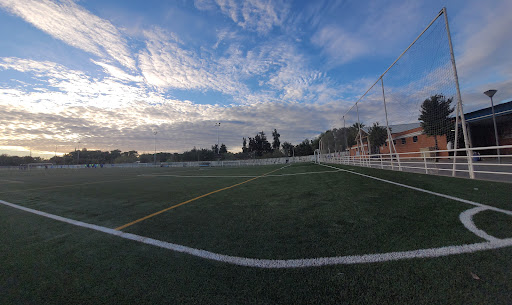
<point>413,107</point>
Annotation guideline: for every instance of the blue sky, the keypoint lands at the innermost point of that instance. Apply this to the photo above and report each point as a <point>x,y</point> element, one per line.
<point>108,73</point>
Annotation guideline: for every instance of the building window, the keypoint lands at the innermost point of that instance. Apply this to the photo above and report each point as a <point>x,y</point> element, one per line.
<point>394,142</point>
<point>415,139</point>
<point>403,141</point>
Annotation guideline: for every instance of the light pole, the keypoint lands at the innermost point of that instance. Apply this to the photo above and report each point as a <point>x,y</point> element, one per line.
<point>491,93</point>
<point>218,142</point>
<point>78,152</point>
<point>154,155</point>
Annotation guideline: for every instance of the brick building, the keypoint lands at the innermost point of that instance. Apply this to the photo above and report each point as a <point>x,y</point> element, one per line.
<point>406,138</point>
<point>410,137</point>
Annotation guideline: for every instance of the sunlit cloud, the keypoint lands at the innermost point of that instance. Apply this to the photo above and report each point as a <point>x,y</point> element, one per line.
<point>260,65</point>
<point>67,21</point>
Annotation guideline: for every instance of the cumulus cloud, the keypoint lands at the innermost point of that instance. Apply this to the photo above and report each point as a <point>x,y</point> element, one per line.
<point>67,21</point>
<point>166,64</point>
<point>105,114</point>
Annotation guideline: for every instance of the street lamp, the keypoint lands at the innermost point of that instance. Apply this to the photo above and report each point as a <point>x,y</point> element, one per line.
<point>491,93</point>
<point>218,142</point>
<point>154,156</point>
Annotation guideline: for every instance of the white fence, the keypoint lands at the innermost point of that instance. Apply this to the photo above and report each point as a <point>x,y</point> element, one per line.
<point>234,163</point>
<point>432,162</point>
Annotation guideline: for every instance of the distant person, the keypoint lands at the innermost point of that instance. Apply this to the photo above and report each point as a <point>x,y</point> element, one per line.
<point>449,146</point>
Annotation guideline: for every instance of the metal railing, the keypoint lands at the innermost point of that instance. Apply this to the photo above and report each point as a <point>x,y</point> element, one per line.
<point>449,162</point>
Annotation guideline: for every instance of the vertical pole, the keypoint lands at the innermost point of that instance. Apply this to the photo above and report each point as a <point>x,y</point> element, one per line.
<point>369,151</point>
<point>456,140</point>
<point>154,155</point>
<point>425,162</point>
<point>469,152</point>
<point>346,141</point>
<point>495,130</point>
<point>360,136</point>
<point>390,138</point>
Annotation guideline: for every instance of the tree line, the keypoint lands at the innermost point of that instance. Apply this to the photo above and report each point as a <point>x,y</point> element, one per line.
<point>435,119</point>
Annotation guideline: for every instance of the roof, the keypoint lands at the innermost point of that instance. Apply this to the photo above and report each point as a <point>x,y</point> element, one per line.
<point>481,114</point>
<point>485,113</point>
<point>397,128</point>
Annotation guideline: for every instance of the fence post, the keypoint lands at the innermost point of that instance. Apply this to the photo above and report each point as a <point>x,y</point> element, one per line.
<point>425,162</point>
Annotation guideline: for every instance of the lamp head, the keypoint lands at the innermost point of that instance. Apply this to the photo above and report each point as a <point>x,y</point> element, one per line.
<point>490,93</point>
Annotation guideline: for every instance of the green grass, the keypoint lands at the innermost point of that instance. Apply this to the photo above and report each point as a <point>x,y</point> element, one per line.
<point>277,217</point>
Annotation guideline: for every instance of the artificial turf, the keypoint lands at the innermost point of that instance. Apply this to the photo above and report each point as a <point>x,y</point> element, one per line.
<point>293,216</point>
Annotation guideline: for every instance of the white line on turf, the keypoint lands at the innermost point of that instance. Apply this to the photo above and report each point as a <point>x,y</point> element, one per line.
<point>425,191</point>
<point>225,176</point>
<point>466,218</point>
<point>283,263</point>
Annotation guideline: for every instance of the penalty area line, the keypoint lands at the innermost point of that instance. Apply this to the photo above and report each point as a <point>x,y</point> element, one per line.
<point>488,207</point>
<point>282,263</point>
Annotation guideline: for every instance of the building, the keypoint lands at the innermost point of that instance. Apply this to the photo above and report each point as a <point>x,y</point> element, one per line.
<point>481,127</point>
<point>409,138</point>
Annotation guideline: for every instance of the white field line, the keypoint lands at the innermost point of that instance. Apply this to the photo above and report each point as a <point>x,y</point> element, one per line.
<point>283,263</point>
<point>225,176</point>
<point>466,218</point>
<point>488,207</point>
<point>10,181</point>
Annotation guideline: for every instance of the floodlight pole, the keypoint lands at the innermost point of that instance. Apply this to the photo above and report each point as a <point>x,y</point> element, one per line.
<point>218,138</point>
<point>154,155</point>
<point>469,152</point>
<point>490,93</point>
<point>78,158</point>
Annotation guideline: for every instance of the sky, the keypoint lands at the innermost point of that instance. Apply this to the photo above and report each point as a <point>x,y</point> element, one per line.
<point>104,74</point>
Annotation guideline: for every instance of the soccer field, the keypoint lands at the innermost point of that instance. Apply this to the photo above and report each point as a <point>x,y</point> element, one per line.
<point>301,233</point>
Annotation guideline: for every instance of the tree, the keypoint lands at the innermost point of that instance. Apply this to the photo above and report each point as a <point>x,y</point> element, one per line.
<point>377,136</point>
<point>276,143</point>
<point>287,149</point>
<point>305,148</point>
<point>244,145</point>
<point>215,148</point>
<point>259,144</point>
<point>435,116</point>
<point>351,134</point>
<point>223,149</point>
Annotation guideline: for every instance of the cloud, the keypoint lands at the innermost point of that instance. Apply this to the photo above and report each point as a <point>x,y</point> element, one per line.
<point>59,87</point>
<point>166,64</point>
<point>254,15</point>
<point>66,21</point>
<point>106,114</point>
<point>380,30</point>
<point>484,43</point>
<point>340,45</point>
<point>117,73</point>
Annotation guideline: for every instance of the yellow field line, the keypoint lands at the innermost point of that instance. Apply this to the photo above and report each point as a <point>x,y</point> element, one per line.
<point>190,200</point>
